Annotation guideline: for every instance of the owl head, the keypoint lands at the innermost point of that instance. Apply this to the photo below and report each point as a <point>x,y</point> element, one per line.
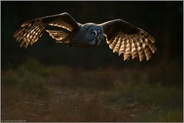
<point>122,37</point>
<point>94,34</point>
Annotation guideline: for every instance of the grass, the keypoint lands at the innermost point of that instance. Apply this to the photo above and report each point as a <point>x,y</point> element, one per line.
<point>36,92</point>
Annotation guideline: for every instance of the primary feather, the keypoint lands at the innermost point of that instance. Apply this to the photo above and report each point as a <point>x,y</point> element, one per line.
<point>122,37</point>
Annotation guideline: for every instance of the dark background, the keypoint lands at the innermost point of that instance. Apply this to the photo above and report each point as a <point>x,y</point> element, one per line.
<point>47,81</point>
<point>163,20</point>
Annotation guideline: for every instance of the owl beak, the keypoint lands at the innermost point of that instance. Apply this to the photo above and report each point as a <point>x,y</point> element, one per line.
<point>98,40</point>
<point>98,37</point>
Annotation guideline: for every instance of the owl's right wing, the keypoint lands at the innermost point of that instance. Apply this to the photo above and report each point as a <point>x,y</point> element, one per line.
<point>124,38</point>
<point>32,30</point>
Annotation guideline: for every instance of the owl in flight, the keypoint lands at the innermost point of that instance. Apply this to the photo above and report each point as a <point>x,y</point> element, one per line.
<point>122,37</point>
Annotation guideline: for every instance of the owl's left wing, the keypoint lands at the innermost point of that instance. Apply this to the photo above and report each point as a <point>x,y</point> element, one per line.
<point>32,30</point>
<point>124,38</point>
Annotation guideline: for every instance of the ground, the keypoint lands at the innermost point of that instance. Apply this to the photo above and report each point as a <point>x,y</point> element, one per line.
<point>36,92</point>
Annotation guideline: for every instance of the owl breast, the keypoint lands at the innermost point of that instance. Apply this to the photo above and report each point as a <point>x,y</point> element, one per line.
<point>90,35</point>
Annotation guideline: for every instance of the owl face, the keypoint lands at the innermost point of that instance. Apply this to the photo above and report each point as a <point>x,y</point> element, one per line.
<point>94,35</point>
<point>122,37</point>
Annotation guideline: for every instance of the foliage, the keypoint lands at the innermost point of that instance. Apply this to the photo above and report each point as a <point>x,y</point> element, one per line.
<point>25,80</point>
<point>62,93</point>
<point>51,82</point>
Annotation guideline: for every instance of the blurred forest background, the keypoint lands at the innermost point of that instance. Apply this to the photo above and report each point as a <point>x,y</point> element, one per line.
<point>135,91</point>
<point>163,20</point>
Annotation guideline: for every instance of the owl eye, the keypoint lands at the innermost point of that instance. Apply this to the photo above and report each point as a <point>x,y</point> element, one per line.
<point>94,33</point>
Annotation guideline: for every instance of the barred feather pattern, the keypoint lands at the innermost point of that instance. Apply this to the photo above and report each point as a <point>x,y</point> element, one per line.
<point>32,30</point>
<point>139,45</point>
<point>29,32</point>
<point>60,36</point>
<point>60,23</point>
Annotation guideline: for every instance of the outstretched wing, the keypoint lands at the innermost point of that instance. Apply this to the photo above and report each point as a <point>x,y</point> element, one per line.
<point>124,38</point>
<point>32,30</point>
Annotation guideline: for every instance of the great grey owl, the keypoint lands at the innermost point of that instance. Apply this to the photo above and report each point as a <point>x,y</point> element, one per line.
<point>122,37</point>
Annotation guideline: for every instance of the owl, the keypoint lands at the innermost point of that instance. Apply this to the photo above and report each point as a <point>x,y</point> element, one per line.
<point>122,37</point>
